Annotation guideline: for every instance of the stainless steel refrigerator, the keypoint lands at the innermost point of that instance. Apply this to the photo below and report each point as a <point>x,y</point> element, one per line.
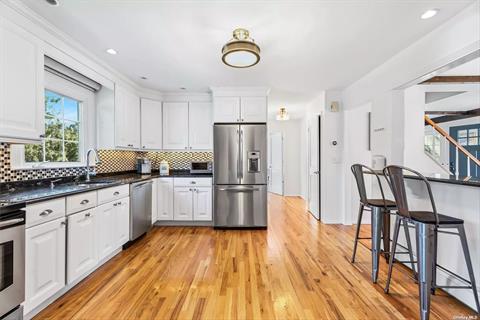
<point>240,175</point>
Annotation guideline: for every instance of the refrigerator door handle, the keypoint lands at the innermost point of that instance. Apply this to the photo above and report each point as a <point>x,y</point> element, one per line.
<point>239,189</point>
<point>240,155</point>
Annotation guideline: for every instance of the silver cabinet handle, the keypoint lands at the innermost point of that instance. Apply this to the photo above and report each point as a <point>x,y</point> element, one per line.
<point>88,214</point>
<point>63,223</point>
<point>85,201</point>
<point>11,222</point>
<point>46,212</point>
<point>116,193</point>
<point>193,182</point>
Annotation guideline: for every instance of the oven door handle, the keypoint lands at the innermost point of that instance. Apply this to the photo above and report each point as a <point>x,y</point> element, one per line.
<point>11,222</point>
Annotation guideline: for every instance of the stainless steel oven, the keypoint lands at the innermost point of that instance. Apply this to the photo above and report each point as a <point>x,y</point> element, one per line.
<point>12,258</point>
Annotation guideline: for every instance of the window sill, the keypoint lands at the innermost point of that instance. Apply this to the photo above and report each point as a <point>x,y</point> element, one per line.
<point>53,165</point>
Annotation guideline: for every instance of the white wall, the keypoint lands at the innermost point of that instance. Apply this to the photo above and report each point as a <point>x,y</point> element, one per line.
<point>291,131</point>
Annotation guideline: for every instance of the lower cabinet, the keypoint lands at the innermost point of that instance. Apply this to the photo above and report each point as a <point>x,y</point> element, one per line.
<point>82,253</point>
<point>45,262</point>
<point>122,222</point>
<point>165,199</point>
<point>106,230</point>
<point>193,203</point>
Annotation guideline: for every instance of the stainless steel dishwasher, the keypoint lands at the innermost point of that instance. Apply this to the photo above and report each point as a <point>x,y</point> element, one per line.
<point>140,208</point>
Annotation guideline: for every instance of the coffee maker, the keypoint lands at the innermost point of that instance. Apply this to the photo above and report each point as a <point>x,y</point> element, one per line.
<point>144,166</point>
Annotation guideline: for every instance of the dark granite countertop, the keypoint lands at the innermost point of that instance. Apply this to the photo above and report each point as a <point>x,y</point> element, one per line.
<point>464,181</point>
<point>39,190</point>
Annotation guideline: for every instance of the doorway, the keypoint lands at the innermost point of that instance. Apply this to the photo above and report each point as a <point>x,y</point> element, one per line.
<point>275,166</point>
<point>314,165</point>
<point>468,137</point>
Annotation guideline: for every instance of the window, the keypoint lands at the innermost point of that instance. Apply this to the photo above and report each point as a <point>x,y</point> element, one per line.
<point>62,131</point>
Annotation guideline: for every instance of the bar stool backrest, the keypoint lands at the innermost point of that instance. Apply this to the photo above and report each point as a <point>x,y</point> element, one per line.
<point>396,180</point>
<point>358,171</point>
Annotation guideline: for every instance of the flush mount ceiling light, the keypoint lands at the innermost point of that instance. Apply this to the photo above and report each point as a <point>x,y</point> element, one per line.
<point>429,14</point>
<point>112,51</point>
<point>283,114</point>
<point>241,51</point>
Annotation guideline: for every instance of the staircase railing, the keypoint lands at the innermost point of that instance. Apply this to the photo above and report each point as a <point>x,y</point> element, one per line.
<point>458,148</point>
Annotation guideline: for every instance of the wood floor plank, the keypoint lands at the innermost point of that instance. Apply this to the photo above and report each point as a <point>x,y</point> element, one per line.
<point>297,269</point>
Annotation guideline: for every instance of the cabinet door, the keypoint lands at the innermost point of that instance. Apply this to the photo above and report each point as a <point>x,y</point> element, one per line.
<point>122,218</point>
<point>165,199</point>
<point>202,204</point>
<point>183,204</point>
<point>127,119</point>
<point>254,109</point>
<point>151,124</point>
<point>81,245</point>
<point>106,216</point>
<point>45,262</point>
<point>200,122</point>
<point>175,125</point>
<point>21,84</point>
<point>226,109</point>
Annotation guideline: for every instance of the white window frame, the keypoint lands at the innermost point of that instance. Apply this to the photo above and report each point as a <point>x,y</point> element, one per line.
<point>86,98</point>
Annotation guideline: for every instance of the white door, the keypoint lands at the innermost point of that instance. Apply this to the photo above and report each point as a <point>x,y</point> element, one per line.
<point>202,204</point>
<point>21,84</point>
<point>45,262</point>
<point>183,204</point>
<point>313,168</point>
<point>127,119</point>
<point>165,199</point>
<point>175,125</point>
<point>151,124</point>
<point>81,245</point>
<point>106,218</point>
<point>275,176</point>
<point>122,222</point>
<point>226,109</point>
<point>254,109</point>
<point>200,129</point>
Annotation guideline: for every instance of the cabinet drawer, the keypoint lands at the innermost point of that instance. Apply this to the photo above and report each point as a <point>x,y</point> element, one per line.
<point>44,211</point>
<point>81,202</point>
<point>113,193</point>
<point>189,182</point>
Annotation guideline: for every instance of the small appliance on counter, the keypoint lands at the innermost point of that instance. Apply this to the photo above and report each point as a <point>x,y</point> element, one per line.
<point>144,166</point>
<point>201,167</point>
<point>164,168</point>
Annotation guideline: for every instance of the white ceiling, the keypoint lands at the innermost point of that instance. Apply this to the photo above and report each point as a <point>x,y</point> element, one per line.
<point>307,46</point>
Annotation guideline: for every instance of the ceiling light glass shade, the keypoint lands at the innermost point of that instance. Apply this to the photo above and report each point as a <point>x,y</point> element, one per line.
<point>241,51</point>
<point>283,115</point>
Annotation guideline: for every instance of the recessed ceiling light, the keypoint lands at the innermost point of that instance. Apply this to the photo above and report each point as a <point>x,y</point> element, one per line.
<point>183,88</point>
<point>112,51</point>
<point>53,2</point>
<point>143,78</point>
<point>429,14</point>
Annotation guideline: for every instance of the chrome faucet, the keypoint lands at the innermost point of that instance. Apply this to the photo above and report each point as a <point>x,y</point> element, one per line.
<point>97,160</point>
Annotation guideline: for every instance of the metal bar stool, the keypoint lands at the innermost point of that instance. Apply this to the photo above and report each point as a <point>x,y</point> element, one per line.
<point>427,226</point>
<point>380,209</point>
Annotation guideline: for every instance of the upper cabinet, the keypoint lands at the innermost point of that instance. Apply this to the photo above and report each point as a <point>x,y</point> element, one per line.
<point>127,119</point>
<point>187,126</point>
<point>21,84</point>
<point>151,120</point>
<point>240,105</point>
<point>175,125</point>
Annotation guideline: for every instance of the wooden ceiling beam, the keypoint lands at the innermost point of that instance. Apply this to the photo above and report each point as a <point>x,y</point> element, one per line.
<point>452,79</point>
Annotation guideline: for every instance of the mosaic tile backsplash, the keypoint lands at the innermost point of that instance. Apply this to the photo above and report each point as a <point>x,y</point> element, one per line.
<point>111,161</point>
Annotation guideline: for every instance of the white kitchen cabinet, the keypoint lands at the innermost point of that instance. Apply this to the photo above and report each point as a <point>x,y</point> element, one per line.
<point>127,119</point>
<point>175,126</point>
<point>82,253</point>
<point>183,204</point>
<point>122,222</point>
<point>21,84</point>
<point>165,199</point>
<point>253,109</point>
<point>45,262</point>
<point>226,109</point>
<point>202,204</point>
<point>154,200</point>
<point>200,129</point>
<point>151,124</point>
<point>106,216</point>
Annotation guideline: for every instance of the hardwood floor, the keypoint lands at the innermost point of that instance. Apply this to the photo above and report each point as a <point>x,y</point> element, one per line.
<point>298,269</point>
